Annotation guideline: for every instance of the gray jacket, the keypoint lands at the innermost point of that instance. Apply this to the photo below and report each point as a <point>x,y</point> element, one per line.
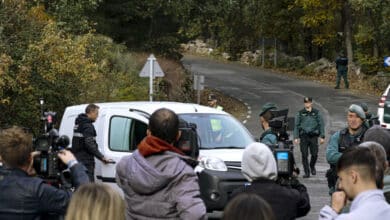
<point>160,186</point>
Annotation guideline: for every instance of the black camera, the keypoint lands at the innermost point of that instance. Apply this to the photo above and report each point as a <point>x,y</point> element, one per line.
<point>47,164</point>
<point>284,156</point>
<point>189,139</point>
<point>284,149</point>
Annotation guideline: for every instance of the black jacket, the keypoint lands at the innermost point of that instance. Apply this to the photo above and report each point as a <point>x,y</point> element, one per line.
<point>25,197</point>
<point>84,145</point>
<point>287,202</point>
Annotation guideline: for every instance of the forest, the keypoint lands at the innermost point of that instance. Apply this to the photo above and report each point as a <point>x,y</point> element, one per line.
<point>78,51</point>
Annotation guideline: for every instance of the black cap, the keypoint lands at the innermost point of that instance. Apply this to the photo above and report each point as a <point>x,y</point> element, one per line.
<point>211,97</point>
<point>307,99</point>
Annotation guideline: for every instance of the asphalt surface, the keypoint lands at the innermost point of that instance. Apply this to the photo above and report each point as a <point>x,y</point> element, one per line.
<point>256,86</point>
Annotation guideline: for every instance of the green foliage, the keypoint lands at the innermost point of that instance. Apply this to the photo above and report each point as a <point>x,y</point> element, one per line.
<point>72,15</point>
<point>152,26</point>
<point>41,58</point>
<point>368,64</point>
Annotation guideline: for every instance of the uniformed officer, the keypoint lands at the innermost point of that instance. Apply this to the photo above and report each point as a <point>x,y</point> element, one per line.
<point>268,137</point>
<point>342,70</point>
<point>309,125</point>
<point>212,102</point>
<point>343,139</point>
<point>371,120</point>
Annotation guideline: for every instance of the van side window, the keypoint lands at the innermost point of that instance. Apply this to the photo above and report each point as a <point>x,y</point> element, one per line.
<point>125,133</point>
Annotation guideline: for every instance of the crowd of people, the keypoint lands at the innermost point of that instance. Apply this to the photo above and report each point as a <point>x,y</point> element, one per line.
<point>158,179</point>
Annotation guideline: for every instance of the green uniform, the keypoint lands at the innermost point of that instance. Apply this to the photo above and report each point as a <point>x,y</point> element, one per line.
<point>269,138</point>
<point>338,143</point>
<point>309,125</point>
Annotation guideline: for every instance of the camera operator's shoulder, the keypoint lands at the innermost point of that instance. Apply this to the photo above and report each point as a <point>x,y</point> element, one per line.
<point>33,184</point>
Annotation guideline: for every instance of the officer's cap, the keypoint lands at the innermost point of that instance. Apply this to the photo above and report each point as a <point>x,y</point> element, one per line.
<point>364,106</point>
<point>307,99</point>
<point>358,110</point>
<point>266,107</point>
<point>211,97</point>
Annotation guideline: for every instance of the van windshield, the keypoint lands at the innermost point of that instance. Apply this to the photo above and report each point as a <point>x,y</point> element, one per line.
<point>219,131</point>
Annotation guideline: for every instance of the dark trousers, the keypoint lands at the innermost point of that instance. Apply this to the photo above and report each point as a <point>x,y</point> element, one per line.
<point>309,143</point>
<point>342,74</point>
<point>90,171</point>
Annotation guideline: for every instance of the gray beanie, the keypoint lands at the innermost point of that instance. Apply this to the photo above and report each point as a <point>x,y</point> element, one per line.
<point>358,110</point>
<point>258,162</point>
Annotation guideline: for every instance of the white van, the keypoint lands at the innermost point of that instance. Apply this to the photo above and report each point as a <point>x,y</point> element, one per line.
<point>122,125</point>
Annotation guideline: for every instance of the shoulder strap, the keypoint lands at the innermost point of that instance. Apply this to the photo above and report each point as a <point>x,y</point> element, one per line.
<point>342,135</point>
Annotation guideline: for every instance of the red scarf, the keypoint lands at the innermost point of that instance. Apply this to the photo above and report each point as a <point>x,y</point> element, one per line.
<point>153,145</point>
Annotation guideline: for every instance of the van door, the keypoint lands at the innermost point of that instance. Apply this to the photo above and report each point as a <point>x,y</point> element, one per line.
<point>121,131</point>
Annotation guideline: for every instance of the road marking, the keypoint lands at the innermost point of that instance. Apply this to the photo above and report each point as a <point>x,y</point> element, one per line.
<point>244,122</point>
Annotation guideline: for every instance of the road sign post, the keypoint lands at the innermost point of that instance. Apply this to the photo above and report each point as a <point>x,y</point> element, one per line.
<point>151,69</point>
<point>198,85</point>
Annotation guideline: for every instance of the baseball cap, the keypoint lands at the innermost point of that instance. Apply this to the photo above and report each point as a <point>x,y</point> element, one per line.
<point>307,99</point>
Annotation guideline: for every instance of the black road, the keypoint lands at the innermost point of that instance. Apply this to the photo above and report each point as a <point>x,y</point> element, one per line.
<point>255,86</point>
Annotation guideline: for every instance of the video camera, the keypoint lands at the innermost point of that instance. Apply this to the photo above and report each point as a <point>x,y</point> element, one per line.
<point>189,139</point>
<point>284,149</point>
<point>47,165</point>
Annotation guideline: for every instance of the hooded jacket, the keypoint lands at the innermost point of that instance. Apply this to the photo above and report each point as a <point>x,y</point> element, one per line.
<point>84,145</point>
<point>259,168</point>
<point>160,185</point>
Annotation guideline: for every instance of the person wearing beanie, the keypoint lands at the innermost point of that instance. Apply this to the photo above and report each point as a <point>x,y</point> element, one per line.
<point>158,179</point>
<point>268,137</point>
<point>308,127</point>
<point>345,138</point>
<point>382,136</point>
<point>260,169</point>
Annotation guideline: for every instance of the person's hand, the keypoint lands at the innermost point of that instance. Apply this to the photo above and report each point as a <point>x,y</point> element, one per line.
<point>322,140</point>
<point>296,141</point>
<point>30,170</point>
<point>339,199</point>
<point>66,156</point>
<point>107,161</point>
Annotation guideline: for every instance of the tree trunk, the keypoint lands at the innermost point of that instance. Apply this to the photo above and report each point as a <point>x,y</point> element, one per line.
<point>308,37</point>
<point>347,19</point>
<point>377,34</point>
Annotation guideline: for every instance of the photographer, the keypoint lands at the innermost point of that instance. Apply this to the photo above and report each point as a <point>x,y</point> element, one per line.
<point>23,196</point>
<point>268,137</point>
<point>260,169</point>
